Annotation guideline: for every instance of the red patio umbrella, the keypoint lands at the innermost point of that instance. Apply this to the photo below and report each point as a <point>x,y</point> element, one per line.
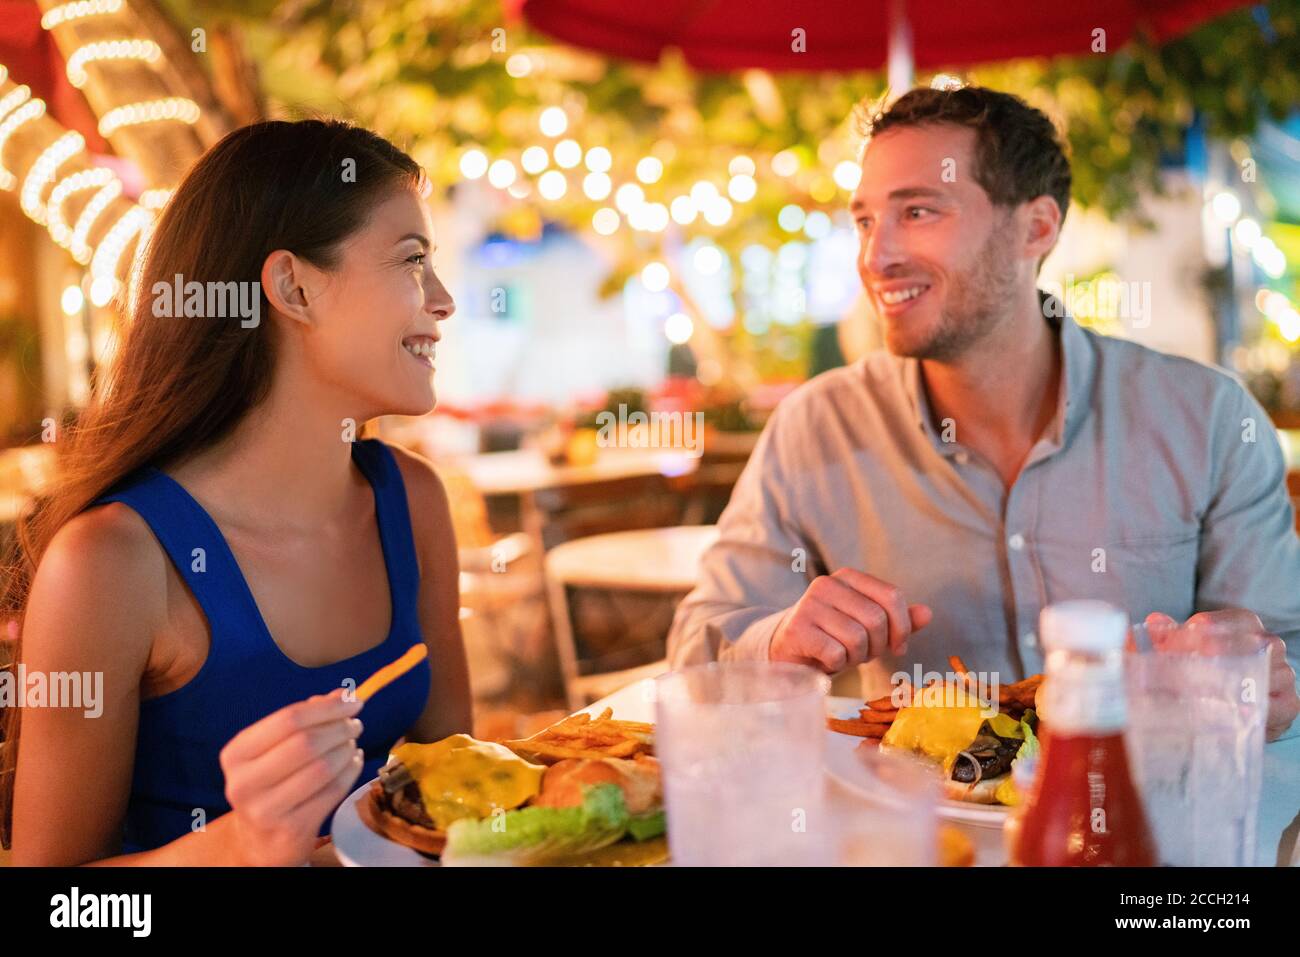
<point>856,35</point>
<point>31,56</point>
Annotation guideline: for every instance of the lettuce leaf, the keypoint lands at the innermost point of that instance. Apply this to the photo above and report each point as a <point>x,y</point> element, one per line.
<point>1029,749</point>
<point>536,835</point>
<point>642,827</point>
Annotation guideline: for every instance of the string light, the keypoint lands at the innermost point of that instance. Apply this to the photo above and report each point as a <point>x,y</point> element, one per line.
<point>534,159</point>
<point>599,159</point>
<point>553,121</point>
<point>177,108</point>
<point>628,197</point>
<point>78,246</point>
<point>785,163</point>
<point>655,276</point>
<point>552,184</point>
<point>24,114</point>
<point>847,174</point>
<point>718,212</point>
<point>679,328</point>
<point>45,169</point>
<point>597,186</point>
<point>649,169</point>
<point>72,300</point>
<point>14,98</point>
<point>568,154</point>
<point>155,198</point>
<point>742,188</point>
<point>75,183</point>
<point>473,164</point>
<point>703,193</point>
<point>104,264</point>
<point>741,166</point>
<point>67,12</point>
<point>683,210</point>
<point>145,50</point>
<point>501,173</point>
<point>605,221</point>
<point>102,290</point>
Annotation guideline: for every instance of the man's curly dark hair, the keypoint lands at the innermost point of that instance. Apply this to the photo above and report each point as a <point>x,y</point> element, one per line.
<point>1019,153</point>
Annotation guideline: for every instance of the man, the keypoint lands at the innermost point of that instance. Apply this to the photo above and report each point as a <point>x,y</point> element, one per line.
<point>931,499</point>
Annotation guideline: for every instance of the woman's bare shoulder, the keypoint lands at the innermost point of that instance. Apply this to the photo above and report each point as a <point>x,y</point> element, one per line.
<point>424,488</point>
<point>104,568</point>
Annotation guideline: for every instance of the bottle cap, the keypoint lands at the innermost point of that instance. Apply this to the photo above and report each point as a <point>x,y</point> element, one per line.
<point>1083,625</point>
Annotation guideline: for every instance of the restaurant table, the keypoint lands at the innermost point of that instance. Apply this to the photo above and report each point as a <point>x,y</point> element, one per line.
<point>643,559</point>
<point>1279,806</point>
<point>523,474</point>
<point>527,470</point>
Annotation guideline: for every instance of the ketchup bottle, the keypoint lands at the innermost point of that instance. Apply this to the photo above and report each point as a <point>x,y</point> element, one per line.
<point>1083,809</point>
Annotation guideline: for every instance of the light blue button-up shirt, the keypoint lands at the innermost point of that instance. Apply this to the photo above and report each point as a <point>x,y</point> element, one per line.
<point>1158,486</point>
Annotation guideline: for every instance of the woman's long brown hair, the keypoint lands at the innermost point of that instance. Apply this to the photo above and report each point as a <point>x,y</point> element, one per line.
<point>179,385</point>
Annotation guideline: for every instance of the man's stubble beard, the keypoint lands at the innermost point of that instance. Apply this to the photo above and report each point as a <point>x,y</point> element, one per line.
<point>979,300</point>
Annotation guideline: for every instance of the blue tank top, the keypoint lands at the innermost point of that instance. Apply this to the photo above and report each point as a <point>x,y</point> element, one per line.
<point>246,676</point>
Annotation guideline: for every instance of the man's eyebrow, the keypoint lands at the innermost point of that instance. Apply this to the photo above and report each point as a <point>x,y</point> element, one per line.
<point>907,192</point>
<point>913,192</point>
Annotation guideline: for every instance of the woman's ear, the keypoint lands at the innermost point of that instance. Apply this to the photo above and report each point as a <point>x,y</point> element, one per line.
<point>285,281</point>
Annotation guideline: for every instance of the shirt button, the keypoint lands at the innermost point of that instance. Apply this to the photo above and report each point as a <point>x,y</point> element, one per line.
<point>1016,542</point>
<point>1029,640</point>
<point>962,458</point>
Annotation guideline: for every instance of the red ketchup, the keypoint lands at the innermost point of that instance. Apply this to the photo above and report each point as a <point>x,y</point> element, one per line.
<point>1083,809</point>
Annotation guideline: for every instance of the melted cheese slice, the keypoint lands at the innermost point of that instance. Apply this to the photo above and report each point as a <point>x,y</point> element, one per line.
<point>463,777</point>
<point>939,733</point>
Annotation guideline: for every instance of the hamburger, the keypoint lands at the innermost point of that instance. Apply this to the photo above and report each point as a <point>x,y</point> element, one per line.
<point>976,752</point>
<point>476,802</point>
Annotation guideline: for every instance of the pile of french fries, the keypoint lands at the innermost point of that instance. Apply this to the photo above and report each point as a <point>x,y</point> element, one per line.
<point>874,720</point>
<point>582,736</point>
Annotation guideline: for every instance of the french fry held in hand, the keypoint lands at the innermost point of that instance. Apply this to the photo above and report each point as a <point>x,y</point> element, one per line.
<point>391,672</point>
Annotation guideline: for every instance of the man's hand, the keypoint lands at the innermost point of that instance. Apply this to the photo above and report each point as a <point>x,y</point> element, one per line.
<point>1283,702</point>
<point>844,619</point>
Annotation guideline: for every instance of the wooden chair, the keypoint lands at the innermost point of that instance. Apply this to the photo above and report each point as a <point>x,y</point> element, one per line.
<point>502,595</point>
<point>606,639</point>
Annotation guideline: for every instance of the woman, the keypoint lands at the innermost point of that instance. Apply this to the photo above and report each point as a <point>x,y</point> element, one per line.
<point>222,547</point>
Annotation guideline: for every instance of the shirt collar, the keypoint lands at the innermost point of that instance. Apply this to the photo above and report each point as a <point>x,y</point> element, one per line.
<point>1077,369</point>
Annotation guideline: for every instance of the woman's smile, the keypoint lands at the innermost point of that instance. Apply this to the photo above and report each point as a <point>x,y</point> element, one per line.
<point>421,348</point>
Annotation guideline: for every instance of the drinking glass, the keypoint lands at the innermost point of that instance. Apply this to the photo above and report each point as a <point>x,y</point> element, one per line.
<point>1197,709</point>
<point>741,748</point>
<point>886,813</point>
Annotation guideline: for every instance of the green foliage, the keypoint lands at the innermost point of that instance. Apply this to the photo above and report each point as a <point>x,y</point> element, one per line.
<point>431,75</point>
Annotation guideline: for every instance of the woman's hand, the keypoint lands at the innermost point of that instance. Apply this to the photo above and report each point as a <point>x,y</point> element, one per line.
<point>286,773</point>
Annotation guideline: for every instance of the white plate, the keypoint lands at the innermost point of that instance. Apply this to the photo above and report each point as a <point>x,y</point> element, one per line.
<point>842,765</point>
<point>358,846</point>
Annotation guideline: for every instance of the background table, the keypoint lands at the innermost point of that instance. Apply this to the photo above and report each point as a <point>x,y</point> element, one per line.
<point>645,559</point>
<point>1279,806</point>
<point>528,470</point>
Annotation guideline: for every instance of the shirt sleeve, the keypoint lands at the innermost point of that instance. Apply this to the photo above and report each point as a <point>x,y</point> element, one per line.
<point>1250,553</point>
<point>755,571</point>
